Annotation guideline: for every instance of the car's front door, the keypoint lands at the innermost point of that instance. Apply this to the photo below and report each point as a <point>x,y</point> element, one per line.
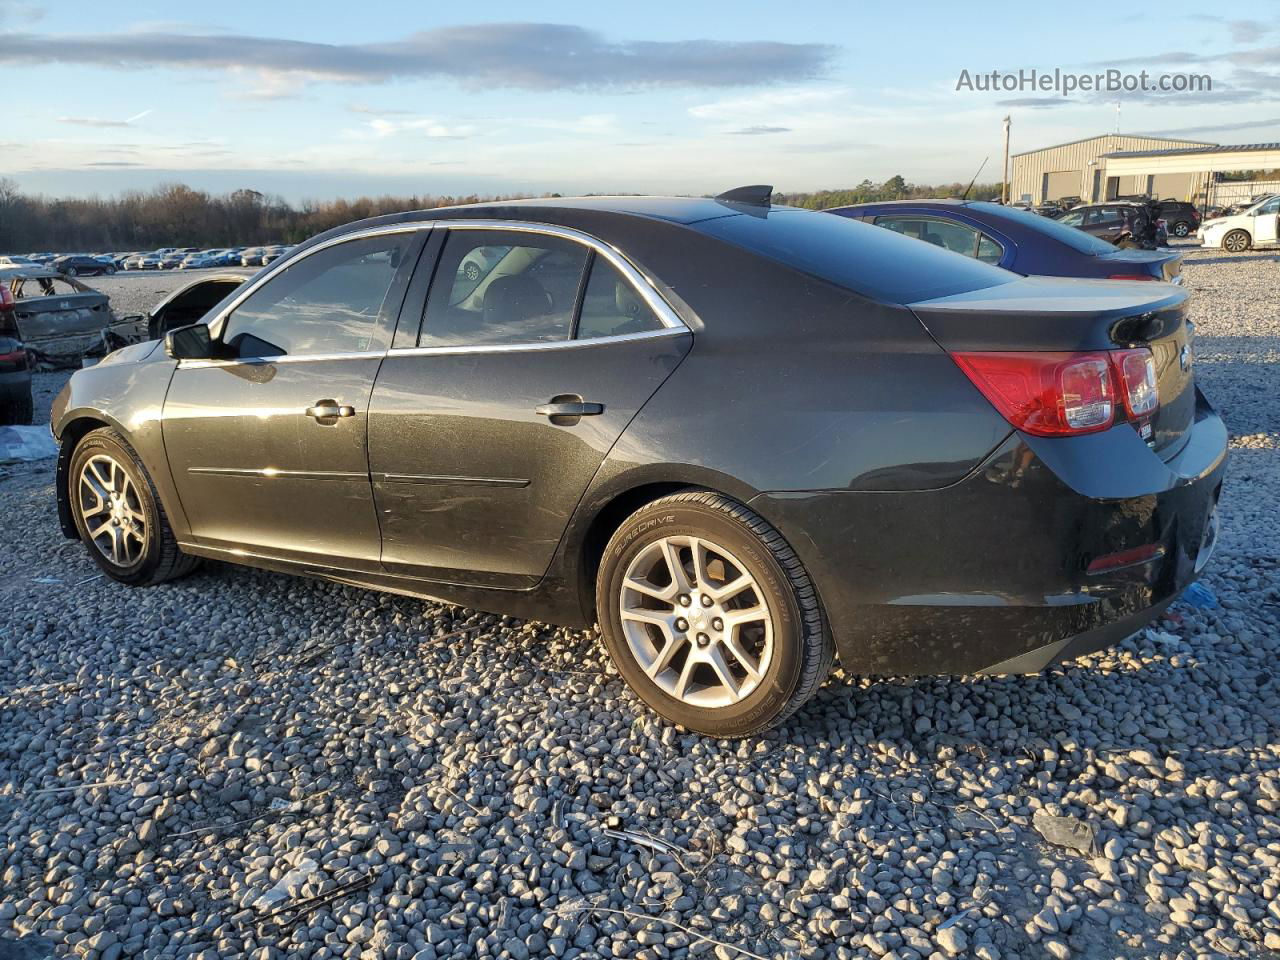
<point>268,445</point>
<point>487,426</point>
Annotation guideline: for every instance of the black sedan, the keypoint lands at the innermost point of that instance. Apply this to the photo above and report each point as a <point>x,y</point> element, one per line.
<point>1015,239</point>
<point>82,265</point>
<point>742,439</point>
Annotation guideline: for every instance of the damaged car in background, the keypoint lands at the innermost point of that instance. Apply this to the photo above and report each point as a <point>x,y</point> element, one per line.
<point>59,319</point>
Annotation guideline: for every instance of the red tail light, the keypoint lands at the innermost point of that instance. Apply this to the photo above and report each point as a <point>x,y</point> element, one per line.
<point>1065,394</point>
<point>1130,276</point>
<point>6,298</point>
<point>17,356</point>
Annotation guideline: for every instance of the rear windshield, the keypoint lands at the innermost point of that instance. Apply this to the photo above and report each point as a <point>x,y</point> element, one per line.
<point>1077,240</point>
<point>876,263</point>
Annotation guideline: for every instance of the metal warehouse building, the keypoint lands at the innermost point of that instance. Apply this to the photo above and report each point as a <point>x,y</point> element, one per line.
<point>1078,169</point>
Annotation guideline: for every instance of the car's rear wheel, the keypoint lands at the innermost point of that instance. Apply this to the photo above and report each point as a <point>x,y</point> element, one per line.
<point>1181,228</point>
<point>1237,241</point>
<point>710,616</point>
<point>70,271</point>
<point>118,514</point>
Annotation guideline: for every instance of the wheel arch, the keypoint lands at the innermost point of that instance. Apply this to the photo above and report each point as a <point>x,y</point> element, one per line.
<point>611,501</point>
<point>70,432</point>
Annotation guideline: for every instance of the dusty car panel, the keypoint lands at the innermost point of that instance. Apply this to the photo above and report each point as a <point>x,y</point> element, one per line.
<point>57,317</point>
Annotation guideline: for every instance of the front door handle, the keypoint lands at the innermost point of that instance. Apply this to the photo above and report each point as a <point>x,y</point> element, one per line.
<point>330,410</point>
<point>567,409</point>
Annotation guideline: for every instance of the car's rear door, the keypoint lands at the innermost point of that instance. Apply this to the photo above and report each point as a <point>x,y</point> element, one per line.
<point>268,447</point>
<point>489,419</point>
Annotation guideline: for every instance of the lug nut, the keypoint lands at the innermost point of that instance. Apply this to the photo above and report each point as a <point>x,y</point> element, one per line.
<point>706,600</point>
<point>682,624</point>
<point>717,624</point>
<point>685,600</point>
<point>703,639</point>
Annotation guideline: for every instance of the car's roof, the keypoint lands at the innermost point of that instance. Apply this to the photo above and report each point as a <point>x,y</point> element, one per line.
<point>674,209</point>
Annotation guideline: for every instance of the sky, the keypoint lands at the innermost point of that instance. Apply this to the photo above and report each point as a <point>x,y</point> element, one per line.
<point>324,99</point>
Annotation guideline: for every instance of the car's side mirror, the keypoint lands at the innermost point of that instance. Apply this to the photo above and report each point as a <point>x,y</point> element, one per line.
<point>189,343</point>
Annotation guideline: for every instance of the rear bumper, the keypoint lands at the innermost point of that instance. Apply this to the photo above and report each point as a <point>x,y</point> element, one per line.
<point>990,574</point>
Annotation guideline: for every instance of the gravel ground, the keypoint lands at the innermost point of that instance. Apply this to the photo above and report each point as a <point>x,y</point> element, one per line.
<point>178,763</point>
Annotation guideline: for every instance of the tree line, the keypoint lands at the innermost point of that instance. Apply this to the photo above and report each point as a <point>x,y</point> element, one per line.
<point>175,215</point>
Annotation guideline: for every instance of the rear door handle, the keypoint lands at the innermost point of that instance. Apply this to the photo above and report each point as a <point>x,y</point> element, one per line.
<point>569,408</point>
<point>330,410</point>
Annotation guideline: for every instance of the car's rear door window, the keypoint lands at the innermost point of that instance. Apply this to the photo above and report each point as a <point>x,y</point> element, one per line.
<point>611,306</point>
<point>341,299</point>
<point>524,288</point>
<point>989,250</point>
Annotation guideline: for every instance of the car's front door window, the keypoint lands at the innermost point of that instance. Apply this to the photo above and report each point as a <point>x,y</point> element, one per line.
<point>526,293</point>
<point>338,300</point>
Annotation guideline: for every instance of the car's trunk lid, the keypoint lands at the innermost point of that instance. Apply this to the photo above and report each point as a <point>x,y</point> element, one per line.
<point>1160,264</point>
<point>62,325</point>
<point>1068,315</point>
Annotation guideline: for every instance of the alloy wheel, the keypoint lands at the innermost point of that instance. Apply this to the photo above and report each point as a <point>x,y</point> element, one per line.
<point>1236,241</point>
<point>1181,229</point>
<point>111,510</point>
<point>696,621</point>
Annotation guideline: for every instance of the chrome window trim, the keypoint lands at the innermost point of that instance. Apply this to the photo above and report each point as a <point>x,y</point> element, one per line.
<point>639,281</point>
<point>534,345</point>
<point>285,358</point>
<point>642,284</point>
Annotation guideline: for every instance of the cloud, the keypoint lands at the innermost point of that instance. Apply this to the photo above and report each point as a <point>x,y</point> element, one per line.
<point>16,11</point>
<point>100,122</point>
<point>1220,128</point>
<point>114,163</point>
<point>1036,103</point>
<point>1245,31</point>
<point>382,127</point>
<point>741,108</point>
<point>758,130</point>
<point>527,56</point>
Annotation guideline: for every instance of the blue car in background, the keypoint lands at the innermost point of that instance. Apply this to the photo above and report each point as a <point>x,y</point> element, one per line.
<point>1017,240</point>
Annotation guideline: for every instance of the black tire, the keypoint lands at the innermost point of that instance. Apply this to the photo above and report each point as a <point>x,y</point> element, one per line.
<point>70,271</point>
<point>803,651</point>
<point>1180,229</point>
<point>109,271</point>
<point>471,272</point>
<point>1237,241</point>
<point>19,410</point>
<point>159,559</point>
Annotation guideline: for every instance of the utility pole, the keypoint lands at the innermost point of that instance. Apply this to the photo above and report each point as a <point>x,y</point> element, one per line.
<point>1004,186</point>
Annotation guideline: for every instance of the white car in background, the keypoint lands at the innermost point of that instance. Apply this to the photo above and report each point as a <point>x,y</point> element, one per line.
<point>1258,226</point>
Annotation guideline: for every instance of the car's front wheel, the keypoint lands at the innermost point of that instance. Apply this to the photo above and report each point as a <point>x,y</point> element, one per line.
<point>118,514</point>
<point>710,616</point>
<point>70,271</point>
<point>1237,241</point>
